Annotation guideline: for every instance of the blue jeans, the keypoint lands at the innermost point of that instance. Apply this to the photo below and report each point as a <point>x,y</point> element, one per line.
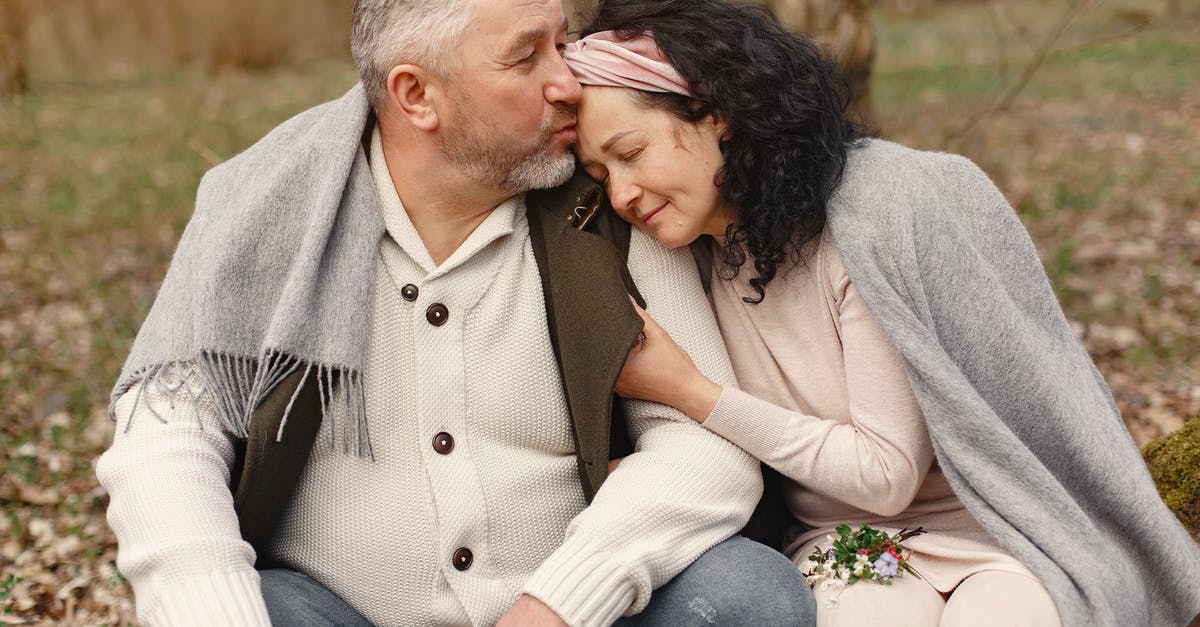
<point>737,582</point>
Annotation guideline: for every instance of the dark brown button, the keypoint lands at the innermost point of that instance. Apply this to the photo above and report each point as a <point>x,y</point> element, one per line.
<point>409,292</point>
<point>443,443</point>
<point>463,558</point>
<point>437,314</point>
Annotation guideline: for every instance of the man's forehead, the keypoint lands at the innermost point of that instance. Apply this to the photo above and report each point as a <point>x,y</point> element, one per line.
<point>511,20</point>
<point>529,34</point>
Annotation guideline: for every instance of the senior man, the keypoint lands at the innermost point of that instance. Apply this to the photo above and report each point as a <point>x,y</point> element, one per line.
<point>376,385</point>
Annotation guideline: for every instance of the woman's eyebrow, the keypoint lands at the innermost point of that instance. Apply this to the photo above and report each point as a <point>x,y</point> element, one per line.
<point>614,139</point>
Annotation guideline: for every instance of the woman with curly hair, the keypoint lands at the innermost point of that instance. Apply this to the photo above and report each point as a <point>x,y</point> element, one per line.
<point>902,359</point>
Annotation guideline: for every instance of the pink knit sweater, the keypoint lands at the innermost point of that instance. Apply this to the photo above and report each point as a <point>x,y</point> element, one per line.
<point>826,401</point>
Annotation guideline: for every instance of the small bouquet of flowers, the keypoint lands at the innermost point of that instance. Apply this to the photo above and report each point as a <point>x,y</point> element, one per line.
<point>863,555</point>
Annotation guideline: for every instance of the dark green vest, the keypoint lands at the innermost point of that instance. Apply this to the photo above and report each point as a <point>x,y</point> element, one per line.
<point>580,246</point>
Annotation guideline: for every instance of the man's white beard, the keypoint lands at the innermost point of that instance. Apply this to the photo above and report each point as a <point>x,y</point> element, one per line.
<point>489,157</point>
<point>541,170</point>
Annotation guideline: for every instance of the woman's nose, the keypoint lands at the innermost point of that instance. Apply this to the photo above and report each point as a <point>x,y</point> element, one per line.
<point>623,194</point>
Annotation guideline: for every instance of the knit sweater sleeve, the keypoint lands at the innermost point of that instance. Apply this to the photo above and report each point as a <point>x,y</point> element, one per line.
<point>683,490</point>
<point>167,475</point>
<point>876,457</point>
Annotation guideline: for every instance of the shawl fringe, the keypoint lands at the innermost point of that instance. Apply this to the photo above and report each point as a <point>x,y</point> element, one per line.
<point>237,385</point>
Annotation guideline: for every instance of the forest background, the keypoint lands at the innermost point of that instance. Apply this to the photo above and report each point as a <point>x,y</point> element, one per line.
<point>1086,113</point>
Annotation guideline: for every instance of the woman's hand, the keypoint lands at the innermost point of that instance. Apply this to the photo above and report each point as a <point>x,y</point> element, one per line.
<point>658,370</point>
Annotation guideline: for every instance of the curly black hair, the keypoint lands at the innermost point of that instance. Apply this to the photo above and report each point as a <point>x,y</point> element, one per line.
<point>786,109</point>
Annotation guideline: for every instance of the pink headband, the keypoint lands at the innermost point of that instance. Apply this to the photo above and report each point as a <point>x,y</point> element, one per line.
<point>605,60</point>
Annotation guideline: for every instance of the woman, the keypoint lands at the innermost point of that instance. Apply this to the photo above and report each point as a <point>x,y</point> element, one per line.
<point>902,358</point>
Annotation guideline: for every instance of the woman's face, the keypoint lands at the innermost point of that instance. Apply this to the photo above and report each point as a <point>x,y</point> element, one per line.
<point>659,171</point>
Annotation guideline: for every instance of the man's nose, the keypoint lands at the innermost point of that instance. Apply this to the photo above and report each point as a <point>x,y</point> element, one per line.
<point>562,86</point>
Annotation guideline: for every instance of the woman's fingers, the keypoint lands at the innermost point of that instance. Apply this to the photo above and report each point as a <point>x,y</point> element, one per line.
<point>638,308</point>
<point>650,327</point>
<point>640,341</point>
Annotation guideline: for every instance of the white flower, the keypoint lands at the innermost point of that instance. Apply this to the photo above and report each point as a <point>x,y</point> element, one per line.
<point>833,584</point>
<point>834,588</point>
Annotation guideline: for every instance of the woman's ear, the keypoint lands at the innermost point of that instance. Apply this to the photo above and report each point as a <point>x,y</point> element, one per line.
<point>719,125</point>
<point>414,95</point>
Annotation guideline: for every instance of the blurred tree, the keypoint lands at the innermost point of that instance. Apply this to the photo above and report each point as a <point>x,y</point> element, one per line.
<point>14,46</point>
<point>251,34</point>
<point>841,28</point>
<point>177,26</point>
<point>908,6</point>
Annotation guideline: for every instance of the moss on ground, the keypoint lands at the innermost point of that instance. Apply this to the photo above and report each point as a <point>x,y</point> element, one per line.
<point>1174,462</point>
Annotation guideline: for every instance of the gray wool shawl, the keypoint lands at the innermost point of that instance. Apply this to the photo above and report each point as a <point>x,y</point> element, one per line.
<point>1024,426</point>
<point>273,275</point>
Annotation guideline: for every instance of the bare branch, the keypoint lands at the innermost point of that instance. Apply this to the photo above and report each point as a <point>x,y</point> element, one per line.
<point>1005,100</point>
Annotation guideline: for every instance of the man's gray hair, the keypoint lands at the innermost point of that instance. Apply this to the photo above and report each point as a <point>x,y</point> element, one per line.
<point>387,33</point>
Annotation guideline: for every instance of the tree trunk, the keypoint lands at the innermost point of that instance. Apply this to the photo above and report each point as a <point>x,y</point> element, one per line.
<point>843,31</point>
<point>181,31</point>
<point>573,8</point>
<point>14,48</point>
<point>840,27</point>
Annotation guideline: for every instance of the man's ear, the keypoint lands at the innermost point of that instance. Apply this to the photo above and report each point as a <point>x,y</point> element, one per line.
<point>414,95</point>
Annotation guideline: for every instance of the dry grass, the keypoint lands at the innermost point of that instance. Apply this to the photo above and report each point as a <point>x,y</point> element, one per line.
<point>96,183</point>
<point>98,169</point>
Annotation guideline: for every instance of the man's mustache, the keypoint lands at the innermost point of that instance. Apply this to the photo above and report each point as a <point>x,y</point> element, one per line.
<point>564,115</point>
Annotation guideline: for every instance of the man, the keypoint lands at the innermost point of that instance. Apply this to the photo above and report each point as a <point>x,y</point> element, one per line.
<point>368,277</point>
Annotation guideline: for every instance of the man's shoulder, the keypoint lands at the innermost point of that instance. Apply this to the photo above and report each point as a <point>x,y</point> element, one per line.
<point>574,217</point>
<point>571,203</point>
<point>302,164</point>
<point>325,130</point>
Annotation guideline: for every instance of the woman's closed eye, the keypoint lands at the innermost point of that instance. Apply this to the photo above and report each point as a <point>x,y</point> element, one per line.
<point>598,174</point>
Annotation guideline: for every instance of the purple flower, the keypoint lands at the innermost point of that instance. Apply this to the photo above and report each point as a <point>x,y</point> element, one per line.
<point>887,565</point>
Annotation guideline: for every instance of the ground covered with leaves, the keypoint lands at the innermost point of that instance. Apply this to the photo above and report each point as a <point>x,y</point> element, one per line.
<point>1099,152</point>
<point>1098,148</point>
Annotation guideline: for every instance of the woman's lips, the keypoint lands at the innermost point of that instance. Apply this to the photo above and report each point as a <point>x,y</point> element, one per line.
<point>646,219</point>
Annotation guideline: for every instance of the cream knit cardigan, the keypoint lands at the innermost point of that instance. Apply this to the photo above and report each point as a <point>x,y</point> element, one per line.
<point>684,490</point>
